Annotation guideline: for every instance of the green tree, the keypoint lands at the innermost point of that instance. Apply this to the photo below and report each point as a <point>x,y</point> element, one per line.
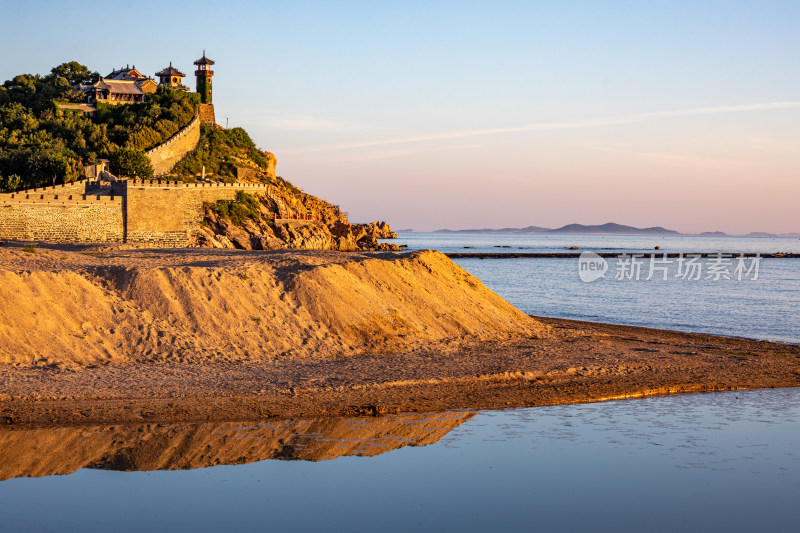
<point>75,73</point>
<point>9,183</point>
<point>131,163</point>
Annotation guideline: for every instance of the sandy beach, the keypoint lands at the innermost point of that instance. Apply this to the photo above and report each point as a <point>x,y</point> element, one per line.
<point>102,335</point>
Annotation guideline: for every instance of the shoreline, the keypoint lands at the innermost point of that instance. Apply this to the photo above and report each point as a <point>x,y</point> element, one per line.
<point>576,362</point>
<point>576,255</point>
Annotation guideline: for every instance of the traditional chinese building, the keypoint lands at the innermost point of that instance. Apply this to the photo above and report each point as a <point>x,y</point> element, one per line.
<point>145,83</point>
<point>129,86</point>
<point>204,74</point>
<point>171,77</point>
<point>115,92</point>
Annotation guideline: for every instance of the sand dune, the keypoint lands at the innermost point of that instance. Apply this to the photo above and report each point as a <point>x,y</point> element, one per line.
<point>70,306</point>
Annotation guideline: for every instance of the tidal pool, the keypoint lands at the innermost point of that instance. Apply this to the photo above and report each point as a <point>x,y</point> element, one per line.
<point>699,462</point>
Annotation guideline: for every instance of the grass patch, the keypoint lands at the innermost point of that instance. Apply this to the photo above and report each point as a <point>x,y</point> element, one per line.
<point>244,207</point>
<point>256,319</point>
<point>31,249</point>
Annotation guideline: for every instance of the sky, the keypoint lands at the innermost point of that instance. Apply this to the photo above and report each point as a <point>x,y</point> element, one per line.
<point>467,114</point>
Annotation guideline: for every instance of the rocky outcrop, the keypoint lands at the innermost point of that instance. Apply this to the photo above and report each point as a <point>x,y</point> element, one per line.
<point>262,230</point>
<point>272,164</point>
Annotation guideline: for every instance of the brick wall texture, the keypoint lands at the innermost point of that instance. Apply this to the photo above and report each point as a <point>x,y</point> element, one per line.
<point>165,156</point>
<point>94,219</point>
<point>157,213</point>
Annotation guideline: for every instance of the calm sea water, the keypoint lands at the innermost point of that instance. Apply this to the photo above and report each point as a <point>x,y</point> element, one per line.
<point>477,242</point>
<point>767,308</point>
<point>700,462</point>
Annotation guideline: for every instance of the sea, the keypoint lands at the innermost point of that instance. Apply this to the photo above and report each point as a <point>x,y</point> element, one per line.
<point>723,461</point>
<point>714,298</point>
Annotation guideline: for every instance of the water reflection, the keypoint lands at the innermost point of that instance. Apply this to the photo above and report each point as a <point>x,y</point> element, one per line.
<point>697,462</point>
<point>63,450</point>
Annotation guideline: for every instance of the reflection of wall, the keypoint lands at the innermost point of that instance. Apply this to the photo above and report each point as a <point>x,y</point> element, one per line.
<point>62,450</point>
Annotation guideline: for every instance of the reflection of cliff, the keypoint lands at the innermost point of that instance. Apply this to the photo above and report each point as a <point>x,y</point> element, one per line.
<point>63,450</point>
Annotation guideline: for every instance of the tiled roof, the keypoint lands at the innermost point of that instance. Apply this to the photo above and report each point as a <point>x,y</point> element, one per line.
<point>170,71</point>
<point>204,60</point>
<point>125,74</point>
<point>118,86</point>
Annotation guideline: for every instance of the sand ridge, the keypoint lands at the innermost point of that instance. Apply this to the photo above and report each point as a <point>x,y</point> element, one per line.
<point>67,305</point>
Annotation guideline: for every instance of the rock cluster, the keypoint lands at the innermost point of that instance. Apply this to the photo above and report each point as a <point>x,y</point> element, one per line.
<point>262,233</point>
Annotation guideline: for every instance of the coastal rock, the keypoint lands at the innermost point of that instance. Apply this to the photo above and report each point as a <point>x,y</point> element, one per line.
<point>264,232</point>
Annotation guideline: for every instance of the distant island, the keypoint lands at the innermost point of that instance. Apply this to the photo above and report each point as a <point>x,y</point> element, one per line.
<point>610,228</point>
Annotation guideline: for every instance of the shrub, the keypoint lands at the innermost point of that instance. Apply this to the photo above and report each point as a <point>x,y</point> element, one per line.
<point>131,163</point>
<point>244,207</point>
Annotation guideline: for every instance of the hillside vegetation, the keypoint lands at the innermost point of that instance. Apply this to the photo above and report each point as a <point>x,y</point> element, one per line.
<point>219,152</point>
<point>38,147</point>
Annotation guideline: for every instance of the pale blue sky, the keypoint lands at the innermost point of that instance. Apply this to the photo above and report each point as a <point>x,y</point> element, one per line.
<point>478,114</point>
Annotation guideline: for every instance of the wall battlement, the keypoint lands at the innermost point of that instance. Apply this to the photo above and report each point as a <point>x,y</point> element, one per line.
<point>158,213</point>
<point>168,154</point>
<point>164,184</point>
<point>63,199</point>
<point>79,185</point>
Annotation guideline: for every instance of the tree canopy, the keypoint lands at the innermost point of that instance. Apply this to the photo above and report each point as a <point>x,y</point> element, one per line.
<point>40,147</point>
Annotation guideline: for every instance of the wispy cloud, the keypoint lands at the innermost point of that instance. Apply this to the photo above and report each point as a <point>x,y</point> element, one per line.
<point>545,126</point>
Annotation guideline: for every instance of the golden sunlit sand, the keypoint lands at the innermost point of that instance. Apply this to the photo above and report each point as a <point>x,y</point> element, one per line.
<point>107,335</point>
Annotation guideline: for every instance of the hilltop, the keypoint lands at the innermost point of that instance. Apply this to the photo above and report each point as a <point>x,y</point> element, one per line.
<point>50,135</point>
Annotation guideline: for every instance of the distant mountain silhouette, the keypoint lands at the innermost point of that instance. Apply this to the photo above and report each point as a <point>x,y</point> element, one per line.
<point>613,228</point>
<point>606,229</point>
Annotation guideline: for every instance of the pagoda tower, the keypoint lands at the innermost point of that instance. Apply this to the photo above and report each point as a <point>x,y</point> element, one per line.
<point>171,77</point>
<point>204,74</point>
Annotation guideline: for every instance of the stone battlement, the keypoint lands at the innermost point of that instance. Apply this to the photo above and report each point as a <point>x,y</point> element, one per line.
<point>159,213</point>
<point>166,155</point>
<point>164,184</point>
<point>63,199</point>
<point>79,185</point>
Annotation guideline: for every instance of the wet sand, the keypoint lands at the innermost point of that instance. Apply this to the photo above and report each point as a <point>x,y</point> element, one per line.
<point>574,362</point>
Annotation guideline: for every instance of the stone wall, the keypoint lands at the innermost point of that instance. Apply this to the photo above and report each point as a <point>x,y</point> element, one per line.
<point>165,213</point>
<point>165,156</point>
<point>152,212</point>
<point>207,114</point>
<point>78,218</point>
<point>75,187</point>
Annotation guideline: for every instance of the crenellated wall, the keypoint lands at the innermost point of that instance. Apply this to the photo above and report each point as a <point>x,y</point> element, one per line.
<point>152,212</point>
<point>62,218</point>
<point>164,213</point>
<point>165,156</point>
